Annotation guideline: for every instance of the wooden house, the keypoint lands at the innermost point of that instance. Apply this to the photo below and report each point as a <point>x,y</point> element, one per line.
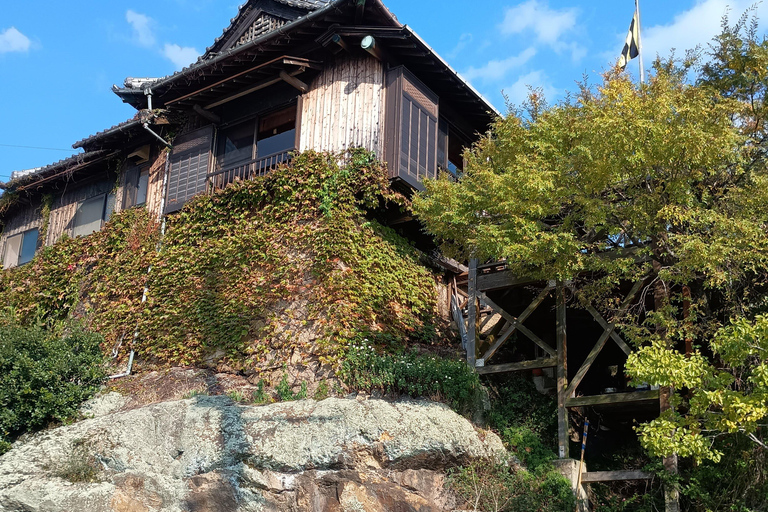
<point>285,76</point>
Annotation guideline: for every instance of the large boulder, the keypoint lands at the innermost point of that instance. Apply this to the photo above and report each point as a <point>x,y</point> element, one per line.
<point>211,454</point>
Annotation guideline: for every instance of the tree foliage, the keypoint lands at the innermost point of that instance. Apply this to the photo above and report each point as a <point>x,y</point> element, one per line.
<point>663,183</point>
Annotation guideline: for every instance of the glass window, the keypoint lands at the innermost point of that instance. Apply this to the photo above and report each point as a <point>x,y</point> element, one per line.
<point>12,250</point>
<point>89,216</point>
<point>141,193</point>
<point>20,248</point>
<point>236,145</point>
<point>28,246</point>
<point>277,133</point>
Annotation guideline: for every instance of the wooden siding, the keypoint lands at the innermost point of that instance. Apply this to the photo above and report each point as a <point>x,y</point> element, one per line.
<point>65,206</point>
<point>344,107</point>
<point>155,186</point>
<point>26,218</point>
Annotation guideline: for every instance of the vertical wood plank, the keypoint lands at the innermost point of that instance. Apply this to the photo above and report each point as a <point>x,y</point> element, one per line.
<point>472,309</point>
<point>562,374</point>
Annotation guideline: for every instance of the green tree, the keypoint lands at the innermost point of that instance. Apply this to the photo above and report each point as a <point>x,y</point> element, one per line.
<point>664,183</point>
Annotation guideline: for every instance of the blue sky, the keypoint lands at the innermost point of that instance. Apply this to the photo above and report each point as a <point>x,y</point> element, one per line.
<point>58,60</point>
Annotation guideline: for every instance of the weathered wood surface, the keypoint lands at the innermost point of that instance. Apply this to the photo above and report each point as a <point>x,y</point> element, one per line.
<point>613,398</point>
<point>501,279</point>
<point>513,326</point>
<point>26,218</point>
<point>562,374</point>
<point>472,316</point>
<point>155,185</point>
<point>518,325</point>
<point>592,477</point>
<point>344,107</point>
<point>549,362</point>
<point>65,207</point>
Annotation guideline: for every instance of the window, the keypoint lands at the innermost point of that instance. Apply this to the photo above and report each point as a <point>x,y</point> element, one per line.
<point>20,248</point>
<point>412,128</point>
<point>92,214</point>
<point>450,148</point>
<point>188,173</point>
<point>236,145</point>
<point>252,148</point>
<point>277,134</point>
<point>136,184</point>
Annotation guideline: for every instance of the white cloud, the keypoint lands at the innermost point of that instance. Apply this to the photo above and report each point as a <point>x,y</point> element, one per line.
<point>496,70</point>
<point>181,56</point>
<point>143,28</point>
<point>518,92</point>
<point>549,25</point>
<point>11,40</point>
<point>696,26</point>
<point>464,40</point>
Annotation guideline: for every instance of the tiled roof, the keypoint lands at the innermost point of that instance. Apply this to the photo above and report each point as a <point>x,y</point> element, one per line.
<point>305,4</point>
<point>130,123</point>
<point>309,5</point>
<point>28,175</point>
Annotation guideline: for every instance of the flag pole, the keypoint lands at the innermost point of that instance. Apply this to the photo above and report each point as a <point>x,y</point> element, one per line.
<point>639,41</point>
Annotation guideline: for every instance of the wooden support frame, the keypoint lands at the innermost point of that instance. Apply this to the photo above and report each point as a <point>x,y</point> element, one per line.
<point>613,398</point>
<point>609,330</point>
<point>472,306</point>
<point>516,323</point>
<point>519,320</point>
<point>593,477</point>
<point>562,374</point>
<point>550,362</point>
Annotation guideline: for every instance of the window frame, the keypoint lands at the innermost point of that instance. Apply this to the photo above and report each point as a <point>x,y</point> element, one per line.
<point>405,91</point>
<point>107,208</point>
<point>22,236</point>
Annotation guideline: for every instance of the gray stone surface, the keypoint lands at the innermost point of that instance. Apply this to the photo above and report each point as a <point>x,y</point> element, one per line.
<point>210,454</point>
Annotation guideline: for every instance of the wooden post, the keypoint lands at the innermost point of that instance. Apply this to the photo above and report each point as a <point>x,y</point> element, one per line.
<point>562,374</point>
<point>671,492</point>
<point>472,310</point>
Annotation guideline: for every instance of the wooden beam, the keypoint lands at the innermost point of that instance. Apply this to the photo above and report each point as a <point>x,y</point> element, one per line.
<point>562,374</point>
<point>210,116</point>
<point>549,362</point>
<point>610,329</point>
<point>613,398</point>
<point>498,280</point>
<point>592,477</point>
<point>571,391</point>
<point>519,326</point>
<point>523,316</point>
<point>295,82</point>
<point>340,41</point>
<point>472,307</point>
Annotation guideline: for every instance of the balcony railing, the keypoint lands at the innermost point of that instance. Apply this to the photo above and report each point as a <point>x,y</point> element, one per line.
<point>248,170</point>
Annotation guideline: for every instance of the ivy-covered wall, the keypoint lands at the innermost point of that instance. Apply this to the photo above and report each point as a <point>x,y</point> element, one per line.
<point>260,271</point>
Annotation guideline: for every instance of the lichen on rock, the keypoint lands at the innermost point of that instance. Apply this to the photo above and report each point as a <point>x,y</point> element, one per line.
<point>211,454</point>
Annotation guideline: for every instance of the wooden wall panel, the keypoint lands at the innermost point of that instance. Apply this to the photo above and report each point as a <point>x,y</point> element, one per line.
<point>65,206</point>
<point>155,187</point>
<point>28,217</point>
<point>344,107</point>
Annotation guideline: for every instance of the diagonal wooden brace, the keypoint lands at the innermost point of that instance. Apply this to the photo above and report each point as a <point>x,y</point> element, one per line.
<point>516,323</point>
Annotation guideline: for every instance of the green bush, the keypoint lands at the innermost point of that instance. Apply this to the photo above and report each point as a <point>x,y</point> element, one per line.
<point>492,487</point>
<point>410,373</point>
<point>526,420</point>
<point>44,377</point>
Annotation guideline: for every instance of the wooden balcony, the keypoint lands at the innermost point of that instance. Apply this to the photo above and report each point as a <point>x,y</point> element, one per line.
<point>255,168</point>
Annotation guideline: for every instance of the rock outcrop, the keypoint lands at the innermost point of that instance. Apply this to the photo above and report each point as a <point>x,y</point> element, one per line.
<point>211,454</point>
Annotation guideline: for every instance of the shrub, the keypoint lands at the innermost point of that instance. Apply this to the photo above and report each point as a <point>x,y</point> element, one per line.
<point>492,487</point>
<point>44,377</point>
<point>527,421</point>
<point>410,373</point>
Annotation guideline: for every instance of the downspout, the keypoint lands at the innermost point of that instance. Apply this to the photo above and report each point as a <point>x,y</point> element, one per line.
<point>145,124</point>
<point>158,247</point>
